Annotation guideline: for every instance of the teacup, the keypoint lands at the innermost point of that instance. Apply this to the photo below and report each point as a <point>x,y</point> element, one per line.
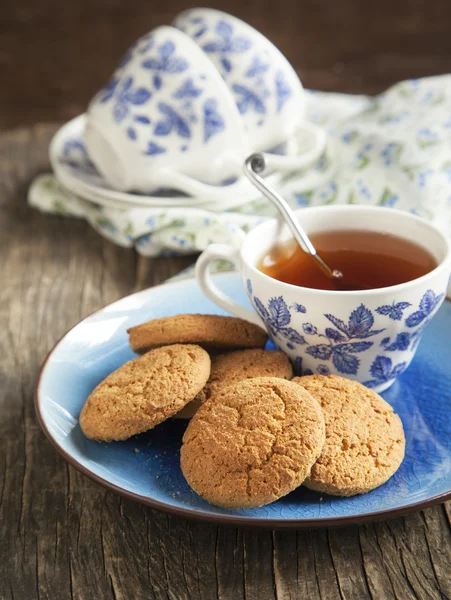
<point>370,336</point>
<point>267,90</point>
<point>165,119</point>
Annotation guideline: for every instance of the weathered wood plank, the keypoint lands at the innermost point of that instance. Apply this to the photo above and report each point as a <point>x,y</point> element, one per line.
<point>258,565</point>
<point>230,563</point>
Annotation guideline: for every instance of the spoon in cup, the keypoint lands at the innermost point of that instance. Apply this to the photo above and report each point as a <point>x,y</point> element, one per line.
<point>254,166</point>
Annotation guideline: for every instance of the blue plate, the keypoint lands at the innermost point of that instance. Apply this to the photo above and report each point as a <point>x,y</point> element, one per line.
<point>146,467</point>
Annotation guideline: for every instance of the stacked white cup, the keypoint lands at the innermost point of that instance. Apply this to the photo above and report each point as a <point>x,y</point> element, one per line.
<point>189,102</point>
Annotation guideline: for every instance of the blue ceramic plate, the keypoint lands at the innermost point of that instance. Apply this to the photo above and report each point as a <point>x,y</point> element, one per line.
<point>146,467</point>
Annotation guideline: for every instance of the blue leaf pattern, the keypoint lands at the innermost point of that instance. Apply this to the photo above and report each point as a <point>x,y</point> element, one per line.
<point>340,347</point>
<point>279,312</point>
<point>261,309</point>
<point>226,42</point>
<point>383,371</point>
<point>200,29</point>
<point>416,318</point>
<point>172,121</point>
<point>283,91</point>
<point>300,308</point>
<point>401,342</point>
<point>339,324</point>
<point>360,322</point>
<point>213,121</point>
<point>292,335</point>
<point>257,67</point>
<point>429,302</point>
<point>125,96</point>
<point>248,99</point>
<point>138,96</point>
<point>187,90</point>
<point>108,91</point>
<point>309,329</point>
<point>342,344</point>
<point>354,347</point>
<point>393,311</point>
<point>76,156</point>
<point>334,335</point>
<point>322,351</point>
<point>381,368</point>
<point>120,111</point>
<point>154,149</point>
<point>277,318</point>
<point>131,132</point>
<point>142,119</point>
<point>166,62</point>
<point>226,64</point>
<point>345,363</point>
<point>406,340</point>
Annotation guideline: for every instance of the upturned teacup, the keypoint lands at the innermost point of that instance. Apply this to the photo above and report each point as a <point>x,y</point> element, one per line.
<point>166,119</point>
<point>266,88</point>
<point>370,336</point>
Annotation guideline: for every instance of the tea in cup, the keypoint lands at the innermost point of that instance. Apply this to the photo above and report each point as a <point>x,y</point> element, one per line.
<point>369,335</point>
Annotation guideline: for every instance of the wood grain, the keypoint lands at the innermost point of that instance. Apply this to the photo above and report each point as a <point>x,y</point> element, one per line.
<point>55,55</point>
<point>62,536</point>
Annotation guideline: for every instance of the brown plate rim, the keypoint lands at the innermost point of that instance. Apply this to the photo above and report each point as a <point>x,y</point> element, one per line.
<point>200,515</point>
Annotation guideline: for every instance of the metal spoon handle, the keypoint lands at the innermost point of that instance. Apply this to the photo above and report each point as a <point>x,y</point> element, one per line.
<point>255,165</point>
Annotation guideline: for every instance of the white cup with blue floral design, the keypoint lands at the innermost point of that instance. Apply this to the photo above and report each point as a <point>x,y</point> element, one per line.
<point>370,336</point>
<point>165,119</point>
<point>266,88</point>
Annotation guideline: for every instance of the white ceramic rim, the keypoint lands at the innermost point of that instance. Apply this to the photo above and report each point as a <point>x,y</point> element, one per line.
<point>444,264</point>
<point>91,192</point>
<point>96,194</point>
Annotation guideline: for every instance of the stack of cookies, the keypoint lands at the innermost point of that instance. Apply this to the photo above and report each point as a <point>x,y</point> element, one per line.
<point>255,433</point>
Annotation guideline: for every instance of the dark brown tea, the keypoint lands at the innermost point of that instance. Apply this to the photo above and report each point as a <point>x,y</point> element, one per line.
<point>367,259</point>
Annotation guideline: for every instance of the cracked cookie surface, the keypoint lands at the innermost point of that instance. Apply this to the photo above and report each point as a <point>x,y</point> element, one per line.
<point>365,441</point>
<point>212,332</point>
<point>236,366</point>
<point>144,392</point>
<point>252,442</point>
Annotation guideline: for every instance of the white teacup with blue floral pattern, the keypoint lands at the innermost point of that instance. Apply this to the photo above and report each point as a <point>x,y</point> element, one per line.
<point>165,119</point>
<point>369,336</point>
<point>266,88</point>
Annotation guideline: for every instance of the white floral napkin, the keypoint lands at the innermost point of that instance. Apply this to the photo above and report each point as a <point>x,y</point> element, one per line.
<point>390,150</point>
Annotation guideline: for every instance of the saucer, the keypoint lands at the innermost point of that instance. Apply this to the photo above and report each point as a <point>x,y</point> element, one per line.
<point>146,467</point>
<point>75,170</point>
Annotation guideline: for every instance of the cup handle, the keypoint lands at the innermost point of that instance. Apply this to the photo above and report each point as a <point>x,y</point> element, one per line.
<point>302,160</point>
<point>211,290</point>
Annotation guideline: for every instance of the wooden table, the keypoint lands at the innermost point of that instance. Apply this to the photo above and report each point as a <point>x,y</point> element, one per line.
<point>62,536</point>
